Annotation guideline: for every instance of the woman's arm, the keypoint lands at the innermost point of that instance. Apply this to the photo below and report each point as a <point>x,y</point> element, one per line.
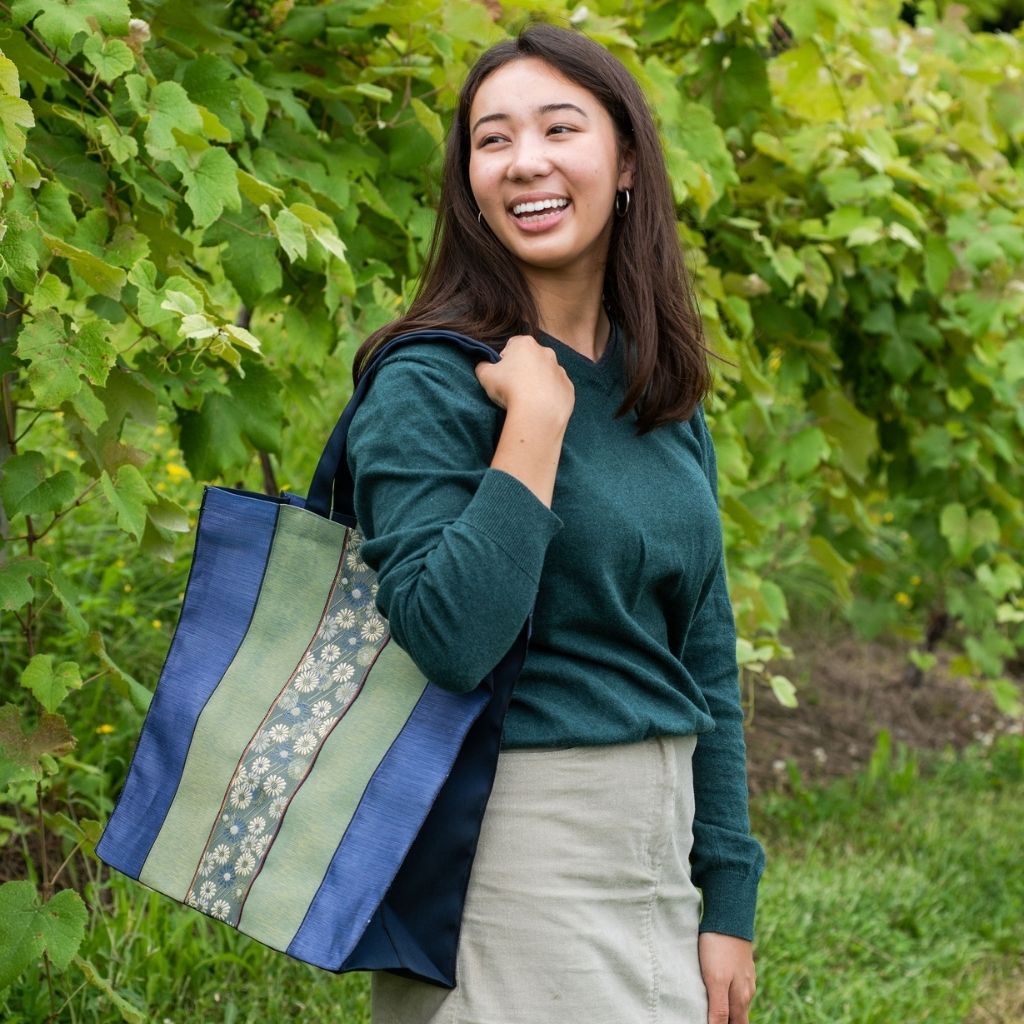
<point>727,861</point>
<point>458,544</point>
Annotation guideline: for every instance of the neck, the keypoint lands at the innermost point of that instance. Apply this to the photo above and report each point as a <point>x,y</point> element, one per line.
<point>570,309</point>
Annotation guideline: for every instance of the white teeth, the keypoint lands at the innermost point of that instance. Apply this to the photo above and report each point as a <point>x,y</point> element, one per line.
<point>543,204</point>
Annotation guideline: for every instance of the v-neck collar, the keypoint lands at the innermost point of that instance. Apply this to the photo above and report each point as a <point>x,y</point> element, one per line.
<point>602,372</point>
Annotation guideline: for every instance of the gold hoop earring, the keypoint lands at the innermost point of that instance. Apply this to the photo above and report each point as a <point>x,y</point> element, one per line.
<point>480,217</point>
<point>621,209</point>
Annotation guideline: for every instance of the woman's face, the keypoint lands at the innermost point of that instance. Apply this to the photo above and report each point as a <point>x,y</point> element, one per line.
<point>544,167</point>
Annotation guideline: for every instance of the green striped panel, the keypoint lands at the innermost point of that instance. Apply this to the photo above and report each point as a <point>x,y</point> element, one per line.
<point>300,572</point>
<point>324,805</point>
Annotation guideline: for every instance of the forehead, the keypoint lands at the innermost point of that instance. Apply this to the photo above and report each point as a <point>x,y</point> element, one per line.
<point>522,86</point>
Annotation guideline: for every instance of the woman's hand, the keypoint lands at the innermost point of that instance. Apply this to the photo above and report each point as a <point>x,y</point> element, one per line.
<point>538,398</point>
<point>528,378</point>
<point>727,964</point>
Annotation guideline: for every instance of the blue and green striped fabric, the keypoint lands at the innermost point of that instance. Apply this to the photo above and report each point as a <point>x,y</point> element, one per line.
<point>296,776</point>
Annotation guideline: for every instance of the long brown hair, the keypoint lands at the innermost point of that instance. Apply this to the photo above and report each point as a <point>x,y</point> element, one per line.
<point>471,283</point>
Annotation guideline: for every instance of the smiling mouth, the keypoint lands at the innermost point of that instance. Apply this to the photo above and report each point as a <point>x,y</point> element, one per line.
<point>531,212</point>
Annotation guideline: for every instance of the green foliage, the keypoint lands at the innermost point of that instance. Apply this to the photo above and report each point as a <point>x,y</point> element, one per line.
<point>205,208</point>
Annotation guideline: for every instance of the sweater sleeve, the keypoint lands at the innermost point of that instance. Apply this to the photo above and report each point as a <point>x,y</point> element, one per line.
<point>458,547</point>
<point>727,861</point>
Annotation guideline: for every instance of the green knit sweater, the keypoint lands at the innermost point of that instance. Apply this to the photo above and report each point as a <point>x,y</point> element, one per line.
<point>633,630</point>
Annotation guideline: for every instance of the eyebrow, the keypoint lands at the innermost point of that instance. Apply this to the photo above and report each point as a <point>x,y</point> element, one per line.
<point>546,109</point>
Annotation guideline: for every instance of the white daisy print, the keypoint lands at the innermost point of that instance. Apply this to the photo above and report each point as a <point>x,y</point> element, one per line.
<point>373,628</point>
<point>277,807</point>
<point>330,653</point>
<point>241,796</point>
<point>355,562</point>
<point>273,785</point>
<point>278,732</point>
<point>307,679</point>
<point>323,727</point>
<point>260,766</point>
<point>258,824</point>
<point>297,769</point>
<point>191,900</point>
<point>206,892</point>
<point>206,865</point>
<point>245,864</point>
<point>374,587</point>
<point>366,656</point>
<point>262,742</point>
<point>321,709</point>
<point>305,744</point>
<point>260,844</point>
<point>342,672</point>
<point>345,619</point>
<point>221,909</point>
<point>343,694</point>
<point>220,853</point>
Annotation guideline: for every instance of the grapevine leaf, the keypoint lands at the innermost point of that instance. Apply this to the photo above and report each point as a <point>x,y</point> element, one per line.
<point>15,589</point>
<point>120,145</point>
<point>291,234</point>
<point>724,11</point>
<point>169,107</point>
<point>58,22</point>
<point>209,82</point>
<point>784,690</point>
<point>21,752</point>
<point>211,186</point>
<point>58,357</point>
<point>106,279</point>
<point>64,593</point>
<point>110,57</point>
<point>31,928</point>
<point>27,489</point>
<point>124,683</point>
<point>19,257</point>
<point>129,496</point>
<point>48,685</point>
<point>953,525</point>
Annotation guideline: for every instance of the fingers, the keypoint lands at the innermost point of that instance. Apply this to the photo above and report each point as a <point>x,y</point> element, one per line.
<point>718,1001</point>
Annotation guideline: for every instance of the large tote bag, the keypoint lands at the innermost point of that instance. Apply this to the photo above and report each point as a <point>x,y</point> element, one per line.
<point>296,776</point>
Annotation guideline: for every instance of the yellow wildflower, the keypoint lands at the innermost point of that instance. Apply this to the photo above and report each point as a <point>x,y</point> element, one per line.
<point>903,599</point>
<point>105,729</point>
<point>157,624</point>
<point>176,472</point>
<point>915,581</point>
<point>887,517</point>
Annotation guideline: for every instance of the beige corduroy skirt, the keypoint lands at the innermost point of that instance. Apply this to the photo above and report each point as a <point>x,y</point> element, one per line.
<point>580,906</point>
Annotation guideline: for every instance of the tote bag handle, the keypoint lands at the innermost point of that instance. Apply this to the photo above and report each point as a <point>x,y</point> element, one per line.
<point>331,493</point>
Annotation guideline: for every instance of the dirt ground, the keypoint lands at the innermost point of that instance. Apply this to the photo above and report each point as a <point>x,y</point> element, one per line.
<point>848,691</point>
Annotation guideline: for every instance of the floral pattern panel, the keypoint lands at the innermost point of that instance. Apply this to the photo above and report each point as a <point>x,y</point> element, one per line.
<point>277,760</point>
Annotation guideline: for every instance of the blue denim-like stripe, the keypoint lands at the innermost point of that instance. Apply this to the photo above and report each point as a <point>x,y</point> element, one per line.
<point>384,825</point>
<point>233,540</point>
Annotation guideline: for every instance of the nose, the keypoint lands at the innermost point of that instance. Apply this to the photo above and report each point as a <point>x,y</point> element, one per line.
<point>528,160</point>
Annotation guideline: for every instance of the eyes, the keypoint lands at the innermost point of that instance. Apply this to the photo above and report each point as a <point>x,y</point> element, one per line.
<point>555,129</point>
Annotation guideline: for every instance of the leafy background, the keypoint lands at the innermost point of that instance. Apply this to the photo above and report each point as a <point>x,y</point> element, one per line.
<point>205,207</point>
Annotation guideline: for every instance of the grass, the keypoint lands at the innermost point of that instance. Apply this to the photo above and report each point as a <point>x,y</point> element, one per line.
<point>896,896</point>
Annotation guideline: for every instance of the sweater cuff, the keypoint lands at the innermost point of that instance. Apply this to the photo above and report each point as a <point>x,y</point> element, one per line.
<point>730,900</point>
<point>505,510</point>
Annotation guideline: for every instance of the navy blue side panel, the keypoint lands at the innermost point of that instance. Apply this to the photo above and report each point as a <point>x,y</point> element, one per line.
<point>396,800</point>
<point>422,911</point>
<point>233,540</point>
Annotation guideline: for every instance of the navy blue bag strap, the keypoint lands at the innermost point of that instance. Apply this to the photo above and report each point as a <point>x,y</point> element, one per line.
<point>332,491</point>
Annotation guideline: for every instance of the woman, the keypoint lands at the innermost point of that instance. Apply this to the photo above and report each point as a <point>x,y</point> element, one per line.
<point>574,477</point>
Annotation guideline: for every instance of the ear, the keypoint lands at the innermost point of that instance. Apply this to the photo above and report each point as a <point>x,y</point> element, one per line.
<point>627,164</point>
